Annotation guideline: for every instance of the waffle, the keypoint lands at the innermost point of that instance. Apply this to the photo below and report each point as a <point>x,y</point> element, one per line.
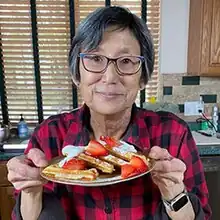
<point>116,161</point>
<point>55,171</point>
<point>126,156</point>
<point>99,164</point>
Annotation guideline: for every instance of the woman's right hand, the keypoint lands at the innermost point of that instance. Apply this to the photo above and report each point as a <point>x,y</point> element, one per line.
<point>24,170</point>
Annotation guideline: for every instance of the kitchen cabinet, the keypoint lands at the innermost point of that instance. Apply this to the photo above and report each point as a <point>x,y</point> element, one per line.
<point>7,201</point>
<point>204,38</point>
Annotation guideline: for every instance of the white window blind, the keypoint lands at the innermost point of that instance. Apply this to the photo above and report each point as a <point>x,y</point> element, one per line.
<point>153,22</point>
<point>16,39</point>
<point>53,23</point>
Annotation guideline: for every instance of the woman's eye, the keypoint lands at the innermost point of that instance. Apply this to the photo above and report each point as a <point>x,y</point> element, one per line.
<point>126,61</point>
<point>96,58</point>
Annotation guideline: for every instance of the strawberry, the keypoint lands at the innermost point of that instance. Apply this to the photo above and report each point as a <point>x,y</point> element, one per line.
<point>139,164</point>
<point>74,164</point>
<point>96,149</point>
<point>127,170</point>
<point>110,141</point>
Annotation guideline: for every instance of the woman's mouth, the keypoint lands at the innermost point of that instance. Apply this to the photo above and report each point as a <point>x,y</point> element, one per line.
<point>109,94</point>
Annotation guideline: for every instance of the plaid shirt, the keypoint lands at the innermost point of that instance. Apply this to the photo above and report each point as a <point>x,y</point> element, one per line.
<point>132,200</point>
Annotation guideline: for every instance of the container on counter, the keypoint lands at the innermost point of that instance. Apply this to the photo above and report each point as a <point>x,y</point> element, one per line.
<point>22,128</point>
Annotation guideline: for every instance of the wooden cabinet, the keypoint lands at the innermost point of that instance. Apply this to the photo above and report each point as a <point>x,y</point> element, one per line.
<point>6,194</point>
<point>204,38</point>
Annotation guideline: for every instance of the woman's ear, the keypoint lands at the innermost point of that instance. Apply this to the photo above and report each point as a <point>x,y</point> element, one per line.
<point>142,85</point>
<point>75,81</point>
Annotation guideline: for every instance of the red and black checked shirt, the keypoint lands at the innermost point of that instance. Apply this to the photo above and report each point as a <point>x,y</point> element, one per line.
<point>133,200</point>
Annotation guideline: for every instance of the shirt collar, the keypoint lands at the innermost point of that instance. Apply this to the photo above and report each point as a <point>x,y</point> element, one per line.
<point>136,133</point>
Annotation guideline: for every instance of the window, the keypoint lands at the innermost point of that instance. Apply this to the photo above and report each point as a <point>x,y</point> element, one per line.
<point>23,64</point>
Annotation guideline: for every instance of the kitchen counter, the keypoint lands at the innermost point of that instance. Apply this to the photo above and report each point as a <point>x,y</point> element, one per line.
<point>9,155</point>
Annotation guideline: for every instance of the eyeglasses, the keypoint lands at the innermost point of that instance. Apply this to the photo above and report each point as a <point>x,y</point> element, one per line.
<point>125,65</point>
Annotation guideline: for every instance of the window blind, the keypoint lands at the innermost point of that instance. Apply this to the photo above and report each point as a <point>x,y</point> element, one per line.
<point>53,23</point>
<point>16,39</point>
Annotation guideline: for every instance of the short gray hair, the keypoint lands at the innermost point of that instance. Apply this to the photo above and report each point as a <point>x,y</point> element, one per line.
<point>90,31</point>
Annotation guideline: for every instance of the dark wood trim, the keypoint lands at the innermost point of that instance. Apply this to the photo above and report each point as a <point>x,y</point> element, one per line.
<point>2,88</point>
<point>144,17</point>
<point>107,2</point>
<point>72,34</point>
<point>36,60</point>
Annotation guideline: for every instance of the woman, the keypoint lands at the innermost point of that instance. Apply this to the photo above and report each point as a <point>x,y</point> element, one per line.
<point>111,59</point>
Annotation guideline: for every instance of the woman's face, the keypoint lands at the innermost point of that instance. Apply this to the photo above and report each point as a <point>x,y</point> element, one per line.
<point>109,93</point>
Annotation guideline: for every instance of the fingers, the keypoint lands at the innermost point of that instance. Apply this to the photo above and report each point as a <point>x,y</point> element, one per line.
<point>21,172</point>
<point>18,166</point>
<point>172,178</point>
<point>24,173</point>
<point>166,166</point>
<point>37,157</point>
<point>159,153</point>
<point>25,185</point>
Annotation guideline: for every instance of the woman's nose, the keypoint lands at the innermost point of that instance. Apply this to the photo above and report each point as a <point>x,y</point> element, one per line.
<point>110,75</point>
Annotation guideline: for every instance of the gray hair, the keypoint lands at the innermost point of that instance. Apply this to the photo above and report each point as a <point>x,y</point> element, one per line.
<point>90,31</point>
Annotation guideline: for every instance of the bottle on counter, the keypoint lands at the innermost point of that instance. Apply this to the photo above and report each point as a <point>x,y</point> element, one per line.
<point>200,105</point>
<point>215,118</point>
<point>22,128</point>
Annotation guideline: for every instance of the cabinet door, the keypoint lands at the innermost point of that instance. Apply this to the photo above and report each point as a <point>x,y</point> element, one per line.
<point>7,202</point>
<point>204,38</point>
<point>210,62</point>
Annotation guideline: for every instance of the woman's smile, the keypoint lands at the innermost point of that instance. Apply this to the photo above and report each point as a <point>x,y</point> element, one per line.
<point>109,95</point>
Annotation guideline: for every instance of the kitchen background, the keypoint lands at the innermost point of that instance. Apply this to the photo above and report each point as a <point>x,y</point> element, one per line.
<point>176,84</point>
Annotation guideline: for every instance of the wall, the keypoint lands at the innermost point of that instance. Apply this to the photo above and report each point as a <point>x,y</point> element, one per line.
<point>178,88</point>
<point>175,85</point>
<point>174,36</point>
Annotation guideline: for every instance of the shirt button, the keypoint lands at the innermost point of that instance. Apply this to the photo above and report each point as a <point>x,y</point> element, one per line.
<point>108,210</point>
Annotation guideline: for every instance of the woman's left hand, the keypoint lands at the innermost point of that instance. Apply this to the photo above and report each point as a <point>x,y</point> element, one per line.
<point>168,173</point>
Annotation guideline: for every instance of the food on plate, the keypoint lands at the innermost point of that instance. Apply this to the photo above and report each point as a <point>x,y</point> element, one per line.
<point>121,149</point>
<point>116,161</point>
<point>108,156</point>
<point>96,149</point>
<point>97,163</point>
<point>75,164</point>
<point>60,173</point>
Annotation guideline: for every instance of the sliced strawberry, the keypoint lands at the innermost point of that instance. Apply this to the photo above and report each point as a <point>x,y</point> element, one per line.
<point>96,149</point>
<point>110,141</point>
<point>74,164</point>
<point>139,164</point>
<point>127,170</point>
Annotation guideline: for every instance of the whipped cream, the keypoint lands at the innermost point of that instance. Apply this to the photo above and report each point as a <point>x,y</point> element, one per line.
<point>125,148</point>
<point>70,151</point>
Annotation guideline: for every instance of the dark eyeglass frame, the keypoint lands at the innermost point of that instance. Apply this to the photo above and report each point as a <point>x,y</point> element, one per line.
<point>114,60</point>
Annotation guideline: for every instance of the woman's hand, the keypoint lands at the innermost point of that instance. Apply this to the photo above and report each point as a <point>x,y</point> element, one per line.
<point>168,173</point>
<point>24,171</point>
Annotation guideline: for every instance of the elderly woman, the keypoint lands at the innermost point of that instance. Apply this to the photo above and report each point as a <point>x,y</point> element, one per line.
<point>111,59</point>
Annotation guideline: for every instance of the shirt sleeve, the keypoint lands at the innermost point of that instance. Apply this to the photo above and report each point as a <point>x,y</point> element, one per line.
<point>161,213</point>
<point>194,178</point>
<point>52,208</point>
<point>59,191</point>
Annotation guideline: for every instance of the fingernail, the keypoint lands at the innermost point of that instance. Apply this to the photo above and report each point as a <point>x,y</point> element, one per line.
<point>152,155</point>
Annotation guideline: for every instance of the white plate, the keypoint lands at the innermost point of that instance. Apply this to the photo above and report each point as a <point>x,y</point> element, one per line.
<point>102,180</point>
